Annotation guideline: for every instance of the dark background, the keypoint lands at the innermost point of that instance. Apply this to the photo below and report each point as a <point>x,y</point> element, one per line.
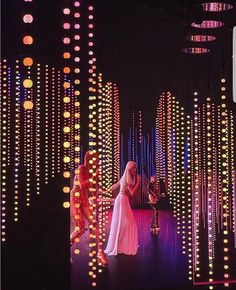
<point>138,45</point>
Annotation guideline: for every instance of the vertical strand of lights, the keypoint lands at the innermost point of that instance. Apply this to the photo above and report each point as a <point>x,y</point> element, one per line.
<point>17,141</point>
<point>103,210</point>
<point>169,151</point>
<point>8,116</point>
<point>173,150</point>
<point>3,148</point>
<point>161,135</point>
<point>53,125</point>
<point>106,162</point>
<point>140,138</point>
<point>92,79</point>
<point>163,139</point>
<point>71,110</point>
<point>203,171</point>
<point>196,189</point>
<point>116,134</point>
<point>189,197</point>
<point>233,173</point>
<point>37,129</point>
<point>219,163</point>
<point>28,105</point>
<point>225,180</point>
<point>178,167</point>
<point>25,130</point>
<point>108,130</point>
<point>75,140</point>
<point>59,105</point>
<point>182,197</point>
<point>31,118</point>
<point>66,107</point>
<point>157,138</point>
<point>28,40</point>
<point>66,139</point>
<point>105,181</point>
<point>72,97</point>
<point>209,201</point>
<point>46,128</point>
<point>214,181</point>
<point>133,136</point>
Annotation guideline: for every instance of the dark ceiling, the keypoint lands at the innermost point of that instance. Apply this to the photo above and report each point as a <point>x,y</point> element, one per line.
<point>139,46</point>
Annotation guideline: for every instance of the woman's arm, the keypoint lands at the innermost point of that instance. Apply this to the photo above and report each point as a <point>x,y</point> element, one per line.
<point>133,189</point>
<point>113,187</point>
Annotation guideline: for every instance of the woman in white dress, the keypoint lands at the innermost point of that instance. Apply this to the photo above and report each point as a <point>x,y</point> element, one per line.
<point>123,237</point>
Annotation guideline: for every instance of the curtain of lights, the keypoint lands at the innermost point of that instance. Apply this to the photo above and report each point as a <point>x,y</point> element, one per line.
<point>26,168</point>
<point>198,162</point>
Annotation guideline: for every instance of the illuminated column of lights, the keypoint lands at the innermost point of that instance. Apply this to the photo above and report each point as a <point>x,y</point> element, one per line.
<point>214,177</point>
<point>8,116</point>
<point>157,156</point>
<point>161,134</point>
<point>28,106</point>
<point>189,197</point>
<point>140,138</point>
<point>92,142</point>
<point>169,139</point>
<point>182,196</point>
<point>66,137</point>
<point>31,113</point>
<point>17,141</point>
<point>59,122</point>
<point>163,139</point>
<point>203,169</point>
<point>53,124</point>
<point>102,217</point>
<point>37,129</point>
<point>233,172</point>
<point>158,133</point>
<point>116,134</point>
<point>133,136</point>
<point>72,117</point>
<point>196,189</point>
<point>103,127</point>
<point>225,181</point>
<point>28,100</point>
<point>209,205</point>
<point>67,23</point>
<point>173,149</point>
<point>46,129</point>
<point>3,149</point>
<point>75,142</point>
<point>219,165</point>
<point>108,134</point>
<point>92,79</point>
<point>176,205</point>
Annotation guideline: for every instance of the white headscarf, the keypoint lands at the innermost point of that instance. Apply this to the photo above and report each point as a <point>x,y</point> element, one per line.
<point>127,178</point>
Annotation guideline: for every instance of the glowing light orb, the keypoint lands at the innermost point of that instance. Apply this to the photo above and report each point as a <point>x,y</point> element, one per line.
<point>27,40</point>
<point>28,105</point>
<point>27,83</point>
<point>28,61</point>
<point>66,204</point>
<point>66,11</point>
<point>28,18</point>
